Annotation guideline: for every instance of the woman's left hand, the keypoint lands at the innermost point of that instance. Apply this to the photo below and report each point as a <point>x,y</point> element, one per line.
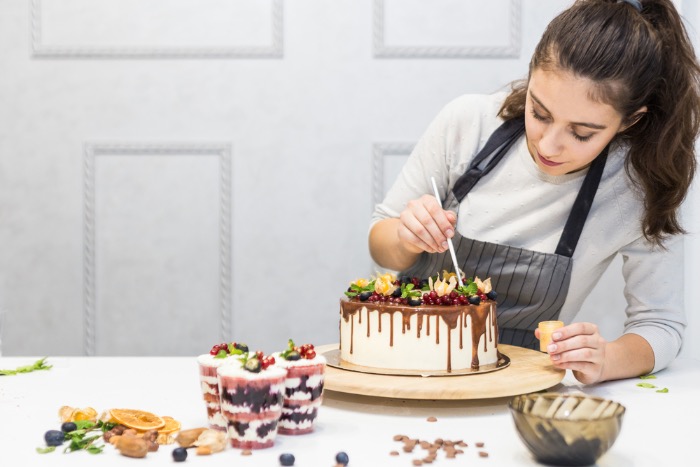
<point>578,347</point>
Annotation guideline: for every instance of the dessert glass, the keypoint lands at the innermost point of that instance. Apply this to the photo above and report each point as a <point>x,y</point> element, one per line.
<point>208,365</point>
<point>251,403</point>
<point>303,393</point>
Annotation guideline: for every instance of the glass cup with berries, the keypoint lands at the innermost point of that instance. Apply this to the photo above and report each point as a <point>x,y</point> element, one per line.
<point>251,395</point>
<point>219,355</point>
<point>303,388</point>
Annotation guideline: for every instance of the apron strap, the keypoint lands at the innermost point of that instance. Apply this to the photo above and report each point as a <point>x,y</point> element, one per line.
<point>582,205</point>
<point>498,144</point>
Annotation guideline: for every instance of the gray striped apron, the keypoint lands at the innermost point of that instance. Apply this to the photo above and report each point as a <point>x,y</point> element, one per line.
<point>531,285</point>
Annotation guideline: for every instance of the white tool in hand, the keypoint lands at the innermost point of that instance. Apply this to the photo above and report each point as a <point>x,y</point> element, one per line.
<point>449,240</point>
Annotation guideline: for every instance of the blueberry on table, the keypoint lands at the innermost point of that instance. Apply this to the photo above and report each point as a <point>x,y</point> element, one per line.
<point>179,454</point>
<point>67,427</point>
<point>286,459</point>
<point>342,458</point>
<point>54,437</point>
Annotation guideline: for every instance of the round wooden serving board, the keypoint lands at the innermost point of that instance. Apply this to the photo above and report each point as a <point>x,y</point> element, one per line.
<point>529,371</point>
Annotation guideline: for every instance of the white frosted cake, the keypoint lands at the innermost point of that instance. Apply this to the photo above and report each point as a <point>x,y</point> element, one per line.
<point>422,325</point>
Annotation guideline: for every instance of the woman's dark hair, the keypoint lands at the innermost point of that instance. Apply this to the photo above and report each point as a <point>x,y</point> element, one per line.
<point>636,58</point>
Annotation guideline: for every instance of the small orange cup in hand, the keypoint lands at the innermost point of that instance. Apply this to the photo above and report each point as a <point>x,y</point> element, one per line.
<point>546,329</point>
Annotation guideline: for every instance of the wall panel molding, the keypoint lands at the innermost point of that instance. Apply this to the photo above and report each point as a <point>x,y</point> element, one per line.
<point>512,50</point>
<point>379,152</point>
<point>94,150</point>
<point>40,50</point>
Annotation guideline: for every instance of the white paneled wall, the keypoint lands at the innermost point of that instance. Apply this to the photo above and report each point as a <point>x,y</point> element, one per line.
<point>177,172</point>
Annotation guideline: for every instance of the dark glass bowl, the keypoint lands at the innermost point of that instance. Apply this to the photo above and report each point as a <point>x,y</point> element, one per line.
<point>566,429</point>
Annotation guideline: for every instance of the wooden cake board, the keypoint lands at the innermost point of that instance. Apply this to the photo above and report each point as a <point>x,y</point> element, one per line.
<point>528,371</point>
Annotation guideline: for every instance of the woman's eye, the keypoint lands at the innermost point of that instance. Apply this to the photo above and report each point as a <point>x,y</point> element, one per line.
<point>538,116</point>
<point>583,139</point>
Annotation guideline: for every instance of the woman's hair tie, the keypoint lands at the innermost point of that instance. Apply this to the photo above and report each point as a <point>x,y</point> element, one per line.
<point>635,3</point>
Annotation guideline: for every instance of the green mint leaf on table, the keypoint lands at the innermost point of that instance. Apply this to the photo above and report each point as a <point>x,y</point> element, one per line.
<point>78,443</point>
<point>647,377</point>
<point>45,450</point>
<point>646,385</point>
<point>36,366</point>
<point>663,391</point>
<point>95,449</point>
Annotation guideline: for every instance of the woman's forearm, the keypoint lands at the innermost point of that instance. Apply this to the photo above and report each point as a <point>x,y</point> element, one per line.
<point>387,249</point>
<point>628,357</point>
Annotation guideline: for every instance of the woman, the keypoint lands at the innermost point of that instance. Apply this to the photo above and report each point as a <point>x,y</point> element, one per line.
<point>543,186</point>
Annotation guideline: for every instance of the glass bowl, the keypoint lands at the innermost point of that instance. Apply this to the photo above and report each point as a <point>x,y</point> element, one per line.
<point>566,429</point>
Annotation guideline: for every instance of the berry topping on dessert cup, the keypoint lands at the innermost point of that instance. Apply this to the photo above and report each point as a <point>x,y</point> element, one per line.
<point>303,388</point>
<point>251,402</point>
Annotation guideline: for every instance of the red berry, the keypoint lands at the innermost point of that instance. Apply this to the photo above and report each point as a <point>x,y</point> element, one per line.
<point>259,354</point>
<point>310,354</point>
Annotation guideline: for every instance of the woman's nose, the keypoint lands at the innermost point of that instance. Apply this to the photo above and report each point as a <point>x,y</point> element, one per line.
<point>550,143</point>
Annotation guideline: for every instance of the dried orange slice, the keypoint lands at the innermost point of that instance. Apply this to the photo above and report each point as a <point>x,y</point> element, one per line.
<point>171,425</point>
<point>137,419</point>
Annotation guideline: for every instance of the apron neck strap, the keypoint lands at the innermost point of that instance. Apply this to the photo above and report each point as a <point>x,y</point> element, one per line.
<point>498,144</point>
<point>582,205</point>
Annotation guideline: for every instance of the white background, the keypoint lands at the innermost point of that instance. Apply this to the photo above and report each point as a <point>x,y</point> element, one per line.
<point>178,172</point>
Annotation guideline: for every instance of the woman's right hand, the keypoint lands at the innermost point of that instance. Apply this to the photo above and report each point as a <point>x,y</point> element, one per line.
<point>425,226</point>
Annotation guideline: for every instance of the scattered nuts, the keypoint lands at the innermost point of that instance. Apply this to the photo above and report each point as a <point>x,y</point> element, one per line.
<point>203,450</point>
<point>432,419</point>
<point>187,438</point>
<point>132,446</point>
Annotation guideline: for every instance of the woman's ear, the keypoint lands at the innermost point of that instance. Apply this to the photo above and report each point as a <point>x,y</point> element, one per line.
<point>632,119</point>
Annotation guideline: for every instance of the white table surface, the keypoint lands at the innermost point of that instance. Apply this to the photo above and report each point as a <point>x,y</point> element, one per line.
<point>658,429</point>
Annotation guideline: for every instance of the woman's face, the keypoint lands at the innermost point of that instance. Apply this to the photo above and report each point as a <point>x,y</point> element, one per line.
<point>565,128</point>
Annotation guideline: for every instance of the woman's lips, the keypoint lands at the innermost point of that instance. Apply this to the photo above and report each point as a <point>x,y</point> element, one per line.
<point>547,162</point>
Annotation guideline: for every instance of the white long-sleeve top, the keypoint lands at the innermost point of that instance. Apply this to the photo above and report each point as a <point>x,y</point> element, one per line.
<point>516,204</point>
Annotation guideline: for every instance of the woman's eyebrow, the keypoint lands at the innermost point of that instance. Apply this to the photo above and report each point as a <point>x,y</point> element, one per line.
<point>593,126</point>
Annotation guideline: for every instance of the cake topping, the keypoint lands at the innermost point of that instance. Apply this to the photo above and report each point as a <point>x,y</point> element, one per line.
<point>224,350</point>
<point>414,291</point>
<point>306,351</point>
<point>257,362</point>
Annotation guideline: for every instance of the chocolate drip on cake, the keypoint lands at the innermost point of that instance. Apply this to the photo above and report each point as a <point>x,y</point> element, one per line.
<point>482,318</point>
